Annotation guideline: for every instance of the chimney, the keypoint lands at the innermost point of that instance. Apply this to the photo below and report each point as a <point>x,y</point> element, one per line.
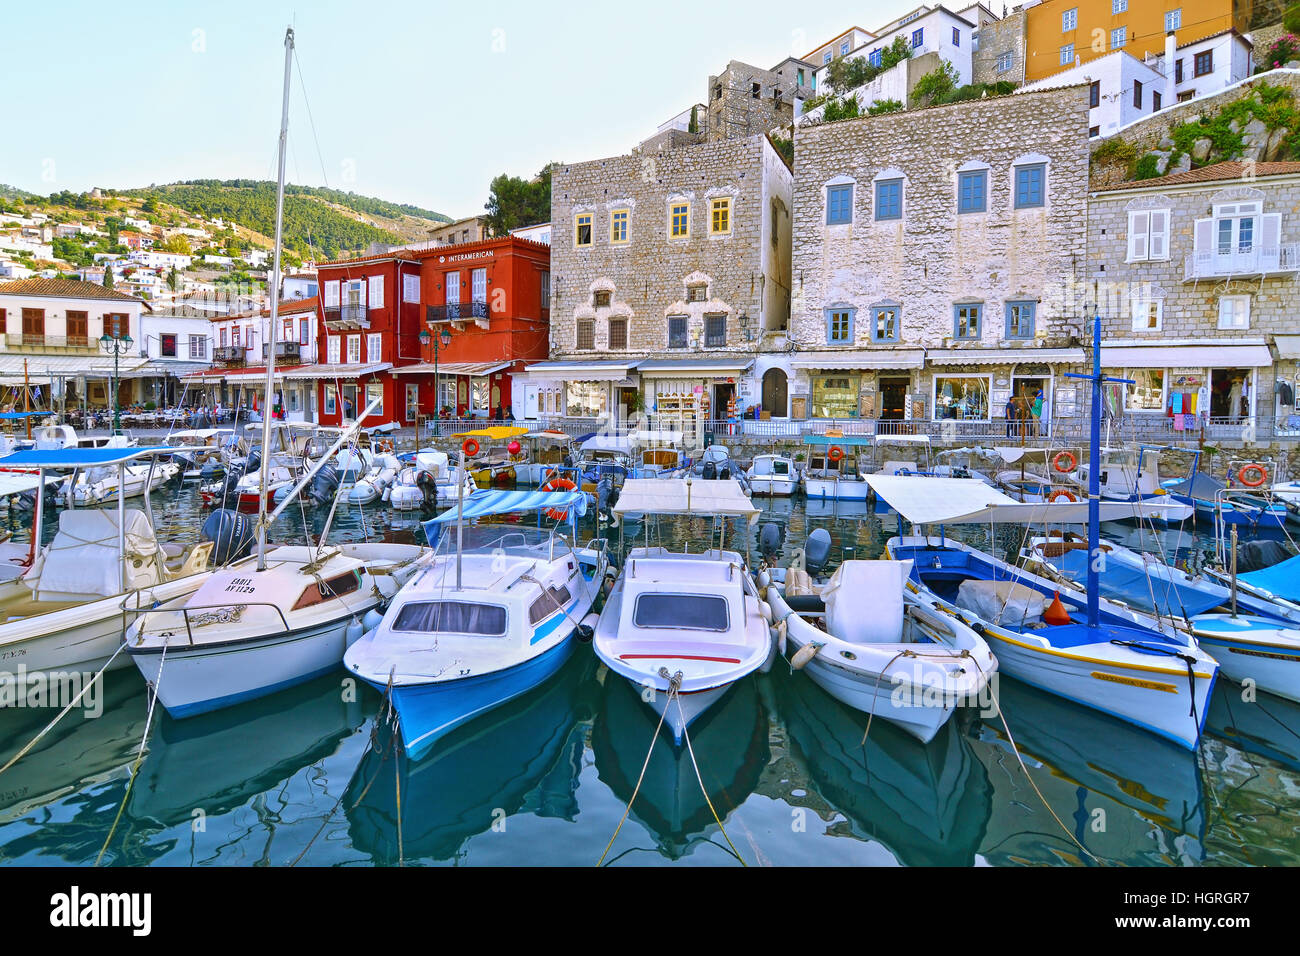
<point>1171,52</point>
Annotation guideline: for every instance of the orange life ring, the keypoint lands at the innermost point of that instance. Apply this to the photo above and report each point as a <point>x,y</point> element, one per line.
<point>1057,458</point>
<point>1255,469</point>
<point>558,484</point>
<point>1061,493</point>
<point>470,447</point>
<point>836,453</point>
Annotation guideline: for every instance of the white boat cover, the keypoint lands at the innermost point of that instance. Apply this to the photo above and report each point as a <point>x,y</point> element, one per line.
<point>924,500</point>
<point>864,601</point>
<point>16,482</point>
<point>903,440</point>
<point>678,497</point>
<point>1002,602</point>
<point>611,443</point>
<point>1013,453</point>
<point>651,437</point>
<point>83,557</point>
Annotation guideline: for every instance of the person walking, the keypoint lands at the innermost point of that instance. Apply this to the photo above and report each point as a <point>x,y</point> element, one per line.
<point>1013,415</point>
<point>1036,410</point>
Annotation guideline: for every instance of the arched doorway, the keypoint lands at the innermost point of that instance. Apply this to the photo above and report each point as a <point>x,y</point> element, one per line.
<point>774,393</point>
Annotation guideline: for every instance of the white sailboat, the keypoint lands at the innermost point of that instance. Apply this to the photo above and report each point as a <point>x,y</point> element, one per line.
<point>281,616</point>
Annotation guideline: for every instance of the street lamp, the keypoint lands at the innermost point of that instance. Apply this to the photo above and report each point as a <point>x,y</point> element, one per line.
<point>443,338</point>
<point>116,345</point>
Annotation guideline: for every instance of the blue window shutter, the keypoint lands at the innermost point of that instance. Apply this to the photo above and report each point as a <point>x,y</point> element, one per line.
<point>889,199</point>
<point>1030,186</point>
<point>839,204</point>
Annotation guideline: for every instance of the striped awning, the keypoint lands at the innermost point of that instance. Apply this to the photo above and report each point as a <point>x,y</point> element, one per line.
<point>336,371</point>
<point>452,368</point>
<point>1005,356</point>
<point>484,503</point>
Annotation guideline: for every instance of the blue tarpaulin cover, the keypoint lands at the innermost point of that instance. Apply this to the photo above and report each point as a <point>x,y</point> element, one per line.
<point>81,457</point>
<point>1282,580</point>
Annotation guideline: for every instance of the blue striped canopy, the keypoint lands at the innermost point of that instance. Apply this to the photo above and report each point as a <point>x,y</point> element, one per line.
<point>81,457</point>
<point>845,440</point>
<point>492,502</point>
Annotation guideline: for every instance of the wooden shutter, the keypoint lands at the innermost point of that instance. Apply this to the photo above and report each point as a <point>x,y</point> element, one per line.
<point>1270,240</point>
<point>376,292</point>
<point>1158,247</point>
<point>1139,226</point>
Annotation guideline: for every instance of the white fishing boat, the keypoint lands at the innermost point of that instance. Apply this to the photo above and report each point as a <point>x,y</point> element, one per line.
<point>883,647</point>
<point>773,475</point>
<point>1125,477</point>
<point>1038,474</point>
<point>834,469</point>
<point>281,616</point>
<point>102,486</point>
<point>430,480</point>
<point>657,453</point>
<point>547,451</point>
<point>66,610</point>
<point>493,614</point>
<point>684,627</point>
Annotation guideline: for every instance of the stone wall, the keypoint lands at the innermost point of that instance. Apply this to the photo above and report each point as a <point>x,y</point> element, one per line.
<point>647,277</point>
<point>997,38</point>
<point>735,112</point>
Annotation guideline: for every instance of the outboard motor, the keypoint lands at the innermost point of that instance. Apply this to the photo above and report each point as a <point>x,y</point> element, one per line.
<point>817,549</point>
<point>324,485</point>
<point>606,496</point>
<point>769,540</point>
<point>26,500</point>
<point>231,533</point>
<point>253,462</point>
<point>708,471</point>
<point>429,486</point>
<point>725,472</point>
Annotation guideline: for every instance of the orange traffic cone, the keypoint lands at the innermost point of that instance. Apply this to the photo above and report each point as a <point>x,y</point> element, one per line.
<point>1056,614</point>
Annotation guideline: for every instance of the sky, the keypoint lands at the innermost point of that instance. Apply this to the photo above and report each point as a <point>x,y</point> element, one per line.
<point>421,103</point>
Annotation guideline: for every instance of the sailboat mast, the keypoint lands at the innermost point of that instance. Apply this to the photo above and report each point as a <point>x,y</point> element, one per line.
<point>1094,479</point>
<point>275,308</point>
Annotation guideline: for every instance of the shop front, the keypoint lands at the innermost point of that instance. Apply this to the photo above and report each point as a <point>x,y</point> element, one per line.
<point>701,398</point>
<point>856,389</point>
<point>342,392</point>
<point>1021,389</point>
<point>601,391</point>
<point>457,390</point>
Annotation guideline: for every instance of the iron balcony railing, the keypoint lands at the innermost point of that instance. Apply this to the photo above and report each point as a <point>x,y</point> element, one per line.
<point>351,314</point>
<point>228,354</point>
<point>1255,260</point>
<point>39,340</point>
<point>457,311</point>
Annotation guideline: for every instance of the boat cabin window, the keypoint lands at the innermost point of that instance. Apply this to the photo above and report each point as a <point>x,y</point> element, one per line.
<point>780,467</point>
<point>452,617</point>
<point>555,599</point>
<point>328,589</point>
<point>693,612</point>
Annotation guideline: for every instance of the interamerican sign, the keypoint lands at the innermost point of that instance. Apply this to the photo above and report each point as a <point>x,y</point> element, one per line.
<point>483,254</point>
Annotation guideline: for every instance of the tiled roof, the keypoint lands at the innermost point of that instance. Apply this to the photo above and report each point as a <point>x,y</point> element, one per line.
<point>294,306</point>
<point>1219,172</point>
<point>65,288</point>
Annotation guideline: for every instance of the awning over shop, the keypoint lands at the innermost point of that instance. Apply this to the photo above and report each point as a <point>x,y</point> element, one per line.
<point>693,368</point>
<point>335,371</point>
<point>452,368</point>
<point>583,371</point>
<point>860,359</point>
<point>1224,355</point>
<point>161,368</point>
<point>1005,356</point>
<point>1288,346</point>
<point>43,368</point>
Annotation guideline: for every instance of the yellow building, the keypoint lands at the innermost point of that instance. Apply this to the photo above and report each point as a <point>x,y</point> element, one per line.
<point>1062,33</point>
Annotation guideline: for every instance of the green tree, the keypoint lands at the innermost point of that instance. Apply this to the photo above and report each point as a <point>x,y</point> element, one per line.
<point>694,126</point>
<point>841,109</point>
<point>935,85</point>
<point>108,274</point>
<point>884,106</point>
<point>177,244</point>
<point>173,280</point>
<point>514,202</point>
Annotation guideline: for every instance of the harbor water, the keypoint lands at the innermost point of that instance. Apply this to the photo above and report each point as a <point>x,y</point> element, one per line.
<point>311,776</point>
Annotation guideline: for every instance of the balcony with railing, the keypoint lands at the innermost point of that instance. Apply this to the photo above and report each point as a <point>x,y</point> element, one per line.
<point>1220,263</point>
<point>228,355</point>
<point>350,315</point>
<point>285,351</point>
<point>39,341</point>
<point>457,312</point>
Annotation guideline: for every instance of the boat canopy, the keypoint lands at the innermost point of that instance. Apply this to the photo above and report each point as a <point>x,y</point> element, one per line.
<point>494,433</point>
<point>846,440</point>
<point>16,482</point>
<point>493,502</point>
<point>654,437</point>
<point>81,457</point>
<point>678,496</point>
<point>612,443</point>
<point>202,433</point>
<point>12,416</point>
<point>903,440</point>
<point>549,435</point>
<point>923,500</point>
<point>1013,453</point>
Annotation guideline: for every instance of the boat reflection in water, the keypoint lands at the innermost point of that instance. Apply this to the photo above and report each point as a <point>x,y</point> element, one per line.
<point>78,754</point>
<point>220,760</point>
<point>929,804</point>
<point>730,742</point>
<point>1258,723</point>
<point>522,757</point>
<point>1128,796</point>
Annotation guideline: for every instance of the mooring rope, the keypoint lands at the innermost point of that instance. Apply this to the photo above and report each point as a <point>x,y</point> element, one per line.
<point>691,751</point>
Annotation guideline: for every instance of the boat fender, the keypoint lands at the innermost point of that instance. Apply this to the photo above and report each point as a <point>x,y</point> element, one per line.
<point>353,633</point>
<point>781,628</point>
<point>1056,614</point>
<point>804,655</point>
<point>765,610</point>
<point>372,619</point>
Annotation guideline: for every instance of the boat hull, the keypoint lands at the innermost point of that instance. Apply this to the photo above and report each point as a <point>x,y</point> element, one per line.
<point>680,712</point>
<point>1255,649</point>
<point>429,711</point>
<point>832,488</point>
<point>199,679</point>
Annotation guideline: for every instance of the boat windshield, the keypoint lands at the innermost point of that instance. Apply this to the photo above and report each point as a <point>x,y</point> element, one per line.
<point>452,617</point>
<point>509,540</point>
<point>694,612</point>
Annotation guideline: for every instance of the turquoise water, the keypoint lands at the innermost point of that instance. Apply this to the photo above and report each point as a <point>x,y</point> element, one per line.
<point>311,776</point>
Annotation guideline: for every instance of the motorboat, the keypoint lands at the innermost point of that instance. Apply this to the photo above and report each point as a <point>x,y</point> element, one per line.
<point>773,475</point>
<point>548,450</point>
<point>1132,480</point>
<point>495,611</point>
<point>1214,500</point>
<point>376,482</point>
<point>427,480</point>
<point>1044,473</point>
<point>834,470</point>
<point>684,627</point>
<point>67,609</point>
<point>657,453</point>
<point>496,465</point>
<point>871,639</point>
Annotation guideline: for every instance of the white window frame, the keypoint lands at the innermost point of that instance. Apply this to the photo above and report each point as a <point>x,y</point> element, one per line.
<point>332,294</point>
<point>1119,38</point>
<point>1146,243</point>
<point>1070,20</point>
<point>374,347</point>
<point>1234,300</point>
<point>411,288</point>
<point>1118,6</point>
<point>478,285</point>
<point>1067,54</point>
<point>1173,19</point>
<point>376,292</point>
<point>1140,310</point>
<point>354,350</point>
<point>333,350</point>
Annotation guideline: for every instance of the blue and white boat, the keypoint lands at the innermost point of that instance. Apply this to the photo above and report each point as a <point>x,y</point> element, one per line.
<point>1209,497</point>
<point>486,619</point>
<point>1085,649</point>
<point>833,471</point>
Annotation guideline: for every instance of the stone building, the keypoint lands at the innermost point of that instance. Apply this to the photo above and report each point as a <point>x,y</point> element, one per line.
<point>1197,275</point>
<point>935,261</point>
<point>998,52</point>
<point>670,272</point>
<point>744,100</point>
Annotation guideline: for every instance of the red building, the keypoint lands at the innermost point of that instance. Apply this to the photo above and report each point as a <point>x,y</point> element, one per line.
<point>482,307</point>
